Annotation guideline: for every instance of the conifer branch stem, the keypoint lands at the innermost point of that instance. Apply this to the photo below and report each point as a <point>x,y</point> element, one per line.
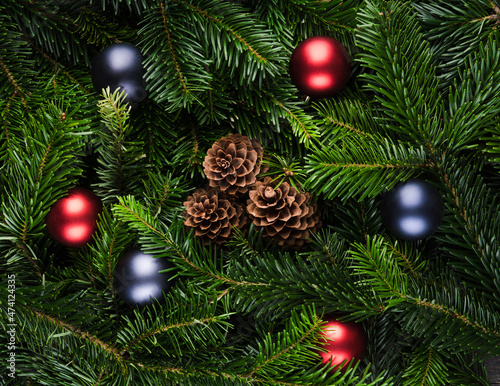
<point>113,351</point>
<point>58,67</point>
<point>171,49</point>
<point>5,121</point>
<point>165,329</point>
<point>345,126</point>
<point>294,117</point>
<point>185,258</point>
<point>456,315</point>
<point>119,143</point>
<point>224,26</point>
<point>406,260</point>
<point>303,337</point>
<point>12,80</point>
<point>429,358</point>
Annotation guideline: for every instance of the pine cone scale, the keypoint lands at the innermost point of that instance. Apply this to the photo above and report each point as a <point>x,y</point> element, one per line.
<point>284,213</point>
<point>233,163</point>
<point>212,215</point>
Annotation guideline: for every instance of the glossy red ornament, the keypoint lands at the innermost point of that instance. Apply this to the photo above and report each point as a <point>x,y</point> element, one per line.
<point>347,341</point>
<point>320,66</point>
<point>72,220</point>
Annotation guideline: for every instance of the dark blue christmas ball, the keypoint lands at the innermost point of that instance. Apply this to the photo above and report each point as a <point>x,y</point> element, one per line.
<point>412,210</point>
<point>120,65</point>
<point>137,279</point>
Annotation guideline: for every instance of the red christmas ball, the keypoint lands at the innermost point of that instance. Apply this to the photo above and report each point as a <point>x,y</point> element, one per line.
<point>320,66</point>
<point>72,220</point>
<point>346,341</point>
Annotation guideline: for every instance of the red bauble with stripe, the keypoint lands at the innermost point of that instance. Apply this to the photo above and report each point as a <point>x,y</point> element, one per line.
<point>320,67</point>
<point>72,220</point>
<point>344,341</point>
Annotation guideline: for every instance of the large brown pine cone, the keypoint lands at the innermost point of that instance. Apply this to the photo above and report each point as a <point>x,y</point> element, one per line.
<point>286,215</point>
<point>212,215</point>
<point>233,163</point>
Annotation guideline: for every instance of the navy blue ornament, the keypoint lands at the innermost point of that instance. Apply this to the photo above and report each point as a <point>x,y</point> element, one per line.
<point>412,210</point>
<point>137,279</point>
<point>120,65</point>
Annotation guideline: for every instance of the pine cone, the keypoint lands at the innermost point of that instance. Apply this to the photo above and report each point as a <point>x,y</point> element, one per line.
<point>233,163</point>
<point>212,215</point>
<point>285,214</point>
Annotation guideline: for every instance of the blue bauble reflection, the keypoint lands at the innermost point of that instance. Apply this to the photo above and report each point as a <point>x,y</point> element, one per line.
<point>412,210</point>
<point>138,280</point>
<point>120,65</point>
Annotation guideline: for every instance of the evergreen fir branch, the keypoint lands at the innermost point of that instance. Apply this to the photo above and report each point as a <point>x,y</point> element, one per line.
<point>295,342</point>
<point>175,62</point>
<point>49,342</point>
<point>50,27</point>
<point>444,314</point>
<point>90,26</point>
<point>158,130</point>
<point>356,219</point>
<point>475,224</point>
<point>185,323</point>
<point>330,247</point>
<point>285,169</point>
<point>427,368</point>
<point>274,14</point>
<point>16,66</point>
<point>288,279</point>
<point>113,239</point>
<point>237,39</point>
<point>337,15</point>
<point>348,168</point>
<point>347,115</point>
<point>42,166</point>
<point>120,158</point>
<point>387,346</point>
<point>468,370</point>
<point>473,97</point>
<point>267,113</point>
<point>375,263</point>
<point>60,69</point>
<point>302,125</point>
<point>493,142</point>
<point>305,19</point>
<point>193,260</point>
<point>409,257</point>
<point>402,66</point>
<point>163,191</point>
<point>455,30</point>
<point>136,6</point>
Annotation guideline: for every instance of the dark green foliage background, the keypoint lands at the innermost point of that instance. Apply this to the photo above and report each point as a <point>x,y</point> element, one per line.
<point>423,101</point>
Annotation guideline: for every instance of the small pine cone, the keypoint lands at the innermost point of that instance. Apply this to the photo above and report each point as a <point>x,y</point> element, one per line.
<point>212,215</point>
<point>233,163</point>
<point>285,214</point>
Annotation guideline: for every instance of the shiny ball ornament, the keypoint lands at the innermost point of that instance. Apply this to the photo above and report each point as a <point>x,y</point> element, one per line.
<point>320,67</point>
<point>412,210</point>
<point>72,220</point>
<point>345,341</point>
<point>120,65</point>
<point>137,279</point>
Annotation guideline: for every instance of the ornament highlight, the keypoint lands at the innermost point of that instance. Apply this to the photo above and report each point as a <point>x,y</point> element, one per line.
<point>137,279</point>
<point>120,65</point>
<point>72,220</point>
<point>412,210</point>
<point>320,67</point>
<point>345,341</point>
